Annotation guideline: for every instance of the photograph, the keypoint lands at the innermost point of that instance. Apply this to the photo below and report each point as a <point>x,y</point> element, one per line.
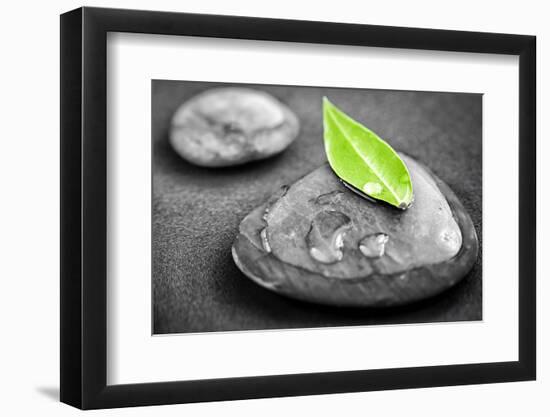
<point>292,207</point>
<point>258,206</point>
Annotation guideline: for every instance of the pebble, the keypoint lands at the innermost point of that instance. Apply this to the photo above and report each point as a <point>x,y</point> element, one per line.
<point>329,245</point>
<point>231,126</point>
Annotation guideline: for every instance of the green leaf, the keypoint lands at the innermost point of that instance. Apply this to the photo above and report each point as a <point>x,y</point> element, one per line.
<point>361,158</point>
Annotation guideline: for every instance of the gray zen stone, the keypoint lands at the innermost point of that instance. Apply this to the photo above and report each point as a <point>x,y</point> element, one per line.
<point>318,241</point>
<point>231,126</point>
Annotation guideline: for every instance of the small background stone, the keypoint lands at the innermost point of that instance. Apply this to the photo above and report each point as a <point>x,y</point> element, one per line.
<point>196,211</point>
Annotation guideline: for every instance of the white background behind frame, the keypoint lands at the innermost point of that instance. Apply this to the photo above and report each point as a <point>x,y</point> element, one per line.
<point>134,356</point>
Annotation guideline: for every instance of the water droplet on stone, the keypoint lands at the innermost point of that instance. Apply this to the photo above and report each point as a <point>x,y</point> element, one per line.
<point>265,242</point>
<point>327,198</point>
<point>373,246</point>
<point>403,205</point>
<point>372,188</point>
<point>325,238</point>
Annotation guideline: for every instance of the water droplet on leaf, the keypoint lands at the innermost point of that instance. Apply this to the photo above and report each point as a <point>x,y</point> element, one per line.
<point>372,188</point>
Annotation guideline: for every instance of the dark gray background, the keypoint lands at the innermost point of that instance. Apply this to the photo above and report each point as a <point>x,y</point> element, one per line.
<point>196,211</point>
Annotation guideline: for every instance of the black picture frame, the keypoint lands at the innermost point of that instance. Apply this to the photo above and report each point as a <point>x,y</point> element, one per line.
<point>84,197</point>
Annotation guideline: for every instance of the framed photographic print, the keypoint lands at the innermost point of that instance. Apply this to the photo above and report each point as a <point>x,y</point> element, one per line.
<point>258,207</point>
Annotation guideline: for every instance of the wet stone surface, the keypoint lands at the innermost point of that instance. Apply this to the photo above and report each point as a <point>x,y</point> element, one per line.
<point>318,241</point>
<point>231,126</point>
